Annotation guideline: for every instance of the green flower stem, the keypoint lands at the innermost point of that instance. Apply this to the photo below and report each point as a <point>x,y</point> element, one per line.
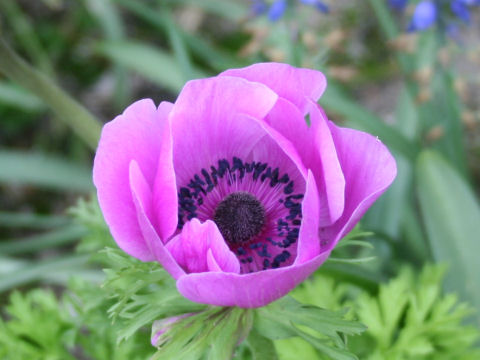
<point>85,125</point>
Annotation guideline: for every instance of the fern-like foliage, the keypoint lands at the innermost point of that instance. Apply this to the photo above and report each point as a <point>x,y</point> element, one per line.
<point>409,319</point>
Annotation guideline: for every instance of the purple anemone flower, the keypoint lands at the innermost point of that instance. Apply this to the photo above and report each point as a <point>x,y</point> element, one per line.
<point>230,190</point>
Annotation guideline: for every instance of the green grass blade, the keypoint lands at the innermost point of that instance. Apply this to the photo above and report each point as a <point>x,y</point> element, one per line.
<point>51,239</point>
<point>41,170</point>
<point>28,220</point>
<point>154,64</point>
<point>13,95</point>
<point>42,270</point>
<point>109,19</point>
<point>86,126</point>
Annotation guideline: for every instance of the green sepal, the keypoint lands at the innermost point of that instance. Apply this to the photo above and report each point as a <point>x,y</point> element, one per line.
<point>212,334</point>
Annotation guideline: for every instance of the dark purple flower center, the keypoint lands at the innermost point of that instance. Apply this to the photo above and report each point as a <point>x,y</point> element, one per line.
<point>240,217</point>
<point>257,208</point>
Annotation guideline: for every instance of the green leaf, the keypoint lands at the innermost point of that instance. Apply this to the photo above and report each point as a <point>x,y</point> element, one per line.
<point>338,102</point>
<point>261,347</point>
<point>34,243</point>
<point>86,126</point>
<point>110,21</point>
<point>324,347</point>
<point>156,65</point>
<point>231,10</point>
<point>68,265</point>
<point>14,95</point>
<point>451,215</point>
<point>324,329</point>
<point>26,168</point>
<point>199,46</point>
<point>28,220</point>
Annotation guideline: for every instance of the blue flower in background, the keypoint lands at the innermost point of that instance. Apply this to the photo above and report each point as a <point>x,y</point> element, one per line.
<point>424,16</point>
<point>460,9</point>
<point>258,7</point>
<point>398,4</point>
<point>278,7</point>
<point>319,5</point>
<point>430,12</point>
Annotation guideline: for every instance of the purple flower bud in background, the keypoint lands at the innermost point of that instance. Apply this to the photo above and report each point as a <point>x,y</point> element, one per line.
<point>424,16</point>
<point>398,4</point>
<point>258,7</point>
<point>453,32</point>
<point>460,9</point>
<point>319,5</point>
<point>277,10</point>
<point>470,2</point>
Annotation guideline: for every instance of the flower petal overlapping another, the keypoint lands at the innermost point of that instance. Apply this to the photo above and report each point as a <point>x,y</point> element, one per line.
<point>230,189</point>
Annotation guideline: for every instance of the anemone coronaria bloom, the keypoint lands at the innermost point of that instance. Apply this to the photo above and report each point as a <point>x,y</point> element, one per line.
<point>230,189</point>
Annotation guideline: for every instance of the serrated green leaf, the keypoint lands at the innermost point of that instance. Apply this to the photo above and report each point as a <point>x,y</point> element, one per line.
<point>323,346</point>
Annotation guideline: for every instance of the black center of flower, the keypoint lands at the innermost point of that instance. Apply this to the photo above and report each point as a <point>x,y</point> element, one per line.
<point>239,216</point>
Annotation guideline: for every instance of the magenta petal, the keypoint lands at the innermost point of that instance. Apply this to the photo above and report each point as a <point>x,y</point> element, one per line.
<point>132,135</point>
<point>141,194</point>
<point>327,168</point>
<point>308,240</point>
<point>294,84</point>
<point>206,124</point>
<point>247,290</point>
<point>191,248</point>
<point>317,151</point>
<point>165,200</point>
<point>369,169</point>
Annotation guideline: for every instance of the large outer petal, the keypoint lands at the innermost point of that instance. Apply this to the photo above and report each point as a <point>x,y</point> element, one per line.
<point>134,135</point>
<point>294,84</point>
<point>247,290</point>
<point>369,169</point>
<point>206,126</point>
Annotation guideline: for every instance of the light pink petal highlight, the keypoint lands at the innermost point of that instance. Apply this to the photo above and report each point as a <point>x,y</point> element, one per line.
<point>165,198</point>
<point>308,240</point>
<point>294,84</point>
<point>191,247</point>
<point>141,194</point>
<point>134,135</point>
<point>246,290</point>
<point>327,169</point>
<point>369,169</point>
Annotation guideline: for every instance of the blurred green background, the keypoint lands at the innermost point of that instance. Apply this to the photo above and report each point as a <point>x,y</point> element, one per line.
<point>419,93</point>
